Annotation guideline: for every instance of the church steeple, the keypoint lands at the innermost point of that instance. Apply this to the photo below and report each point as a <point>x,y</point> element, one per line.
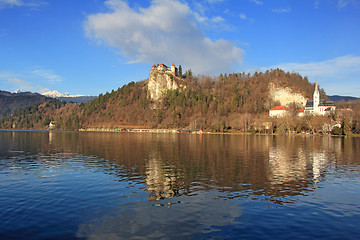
<point>316,98</point>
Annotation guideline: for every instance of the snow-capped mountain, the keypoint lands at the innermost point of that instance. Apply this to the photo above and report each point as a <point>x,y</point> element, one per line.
<point>55,94</point>
<point>17,91</point>
<point>67,97</point>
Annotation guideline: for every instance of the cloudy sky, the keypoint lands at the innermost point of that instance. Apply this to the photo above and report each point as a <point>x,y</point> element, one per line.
<point>93,46</point>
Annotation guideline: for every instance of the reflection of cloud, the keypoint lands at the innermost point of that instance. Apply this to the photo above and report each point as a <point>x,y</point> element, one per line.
<point>166,31</point>
<point>194,215</point>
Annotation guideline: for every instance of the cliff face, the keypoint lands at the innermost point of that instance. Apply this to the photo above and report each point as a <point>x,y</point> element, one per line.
<point>286,96</point>
<point>160,81</point>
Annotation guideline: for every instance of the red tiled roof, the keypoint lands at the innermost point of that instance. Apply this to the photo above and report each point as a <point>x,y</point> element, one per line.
<point>278,108</point>
<point>300,110</point>
<point>172,64</point>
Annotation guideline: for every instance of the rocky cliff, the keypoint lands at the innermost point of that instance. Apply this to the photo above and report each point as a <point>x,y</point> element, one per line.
<point>160,81</point>
<point>286,95</point>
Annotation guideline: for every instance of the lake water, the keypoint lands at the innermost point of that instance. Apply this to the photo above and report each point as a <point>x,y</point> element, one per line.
<point>81,185</point>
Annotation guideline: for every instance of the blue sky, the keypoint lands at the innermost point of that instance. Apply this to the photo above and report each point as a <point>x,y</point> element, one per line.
<point>91,46</point>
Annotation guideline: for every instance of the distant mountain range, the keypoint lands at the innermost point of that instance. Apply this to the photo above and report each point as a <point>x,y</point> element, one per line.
<point>337,98</point>
<point>69,98</point>
<point>10,102</point>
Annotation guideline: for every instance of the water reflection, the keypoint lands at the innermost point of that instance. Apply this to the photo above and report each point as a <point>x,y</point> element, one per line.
<point>174,165</point>
<point>69,185</point>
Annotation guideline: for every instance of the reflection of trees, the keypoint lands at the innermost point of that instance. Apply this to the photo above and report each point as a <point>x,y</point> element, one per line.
<point>171,164</point>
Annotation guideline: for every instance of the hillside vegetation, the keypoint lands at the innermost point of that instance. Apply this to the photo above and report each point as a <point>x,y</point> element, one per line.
<point>10,102</point>
<point>237,102</point>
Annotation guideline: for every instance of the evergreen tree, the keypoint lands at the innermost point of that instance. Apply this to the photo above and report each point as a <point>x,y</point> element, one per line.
<point>180,71</point>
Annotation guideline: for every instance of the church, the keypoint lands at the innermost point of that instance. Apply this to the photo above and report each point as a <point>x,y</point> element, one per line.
<point>319,106</point>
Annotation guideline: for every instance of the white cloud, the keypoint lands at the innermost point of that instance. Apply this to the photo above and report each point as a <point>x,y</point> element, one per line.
<point>48,75</point>
<point>28,81</point>
<point>338,75</point>
<point>342,3</point>
<point>11,3</point>
<point>336,66</point>
<point>215,1</point>
<point>167,31</point>
<point>217,19</point>
<point>243,16</point>
<point>20,3</point>
<point>257,2</point>
<point>316,4</point>
<point>15,82</point>
<point>281,10</point>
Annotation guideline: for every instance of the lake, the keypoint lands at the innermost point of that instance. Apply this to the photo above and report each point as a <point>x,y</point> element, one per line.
<point>88,185</point>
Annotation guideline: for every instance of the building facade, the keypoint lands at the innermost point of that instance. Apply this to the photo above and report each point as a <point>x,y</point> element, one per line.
<point>278,111</point>
<point>319,106</point>
<point>162,67</point>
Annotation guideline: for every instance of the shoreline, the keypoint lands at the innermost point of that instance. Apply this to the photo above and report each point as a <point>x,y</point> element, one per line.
<point>175,131</point>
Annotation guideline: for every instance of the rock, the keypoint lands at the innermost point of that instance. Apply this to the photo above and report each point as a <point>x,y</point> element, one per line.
<point>286,96</point>
<point>160,81</point>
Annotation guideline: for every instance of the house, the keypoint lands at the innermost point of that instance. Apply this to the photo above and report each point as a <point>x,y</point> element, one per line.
<point>52,125</point>
<point>278,111</point>
<point>162,67</point>
<point>319,106</point>
<point>300,112</point>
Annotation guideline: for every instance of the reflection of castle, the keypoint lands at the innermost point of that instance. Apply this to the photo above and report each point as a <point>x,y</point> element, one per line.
<point>159,181</point>
<point>283,169</point>
<point>297,164</point>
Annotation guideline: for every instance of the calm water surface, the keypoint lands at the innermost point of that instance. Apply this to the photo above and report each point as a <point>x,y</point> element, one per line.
<point>71,185</point>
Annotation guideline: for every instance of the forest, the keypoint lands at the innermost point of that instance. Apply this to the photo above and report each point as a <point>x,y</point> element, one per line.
<point>237,102</point>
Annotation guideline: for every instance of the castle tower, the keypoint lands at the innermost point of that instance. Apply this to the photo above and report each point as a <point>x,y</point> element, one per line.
<point>173,69</point>
<point>316,98</point>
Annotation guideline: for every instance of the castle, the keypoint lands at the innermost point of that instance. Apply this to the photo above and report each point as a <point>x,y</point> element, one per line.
<point>162,67</point>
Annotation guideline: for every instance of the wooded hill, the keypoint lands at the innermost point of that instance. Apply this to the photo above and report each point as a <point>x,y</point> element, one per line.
<point>10,102</point>
<point>229,101</point>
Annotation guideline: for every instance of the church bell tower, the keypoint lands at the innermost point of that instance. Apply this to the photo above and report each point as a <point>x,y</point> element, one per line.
<point>316,98</point>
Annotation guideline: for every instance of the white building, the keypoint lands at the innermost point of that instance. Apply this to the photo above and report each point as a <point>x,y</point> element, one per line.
<point>278,111</point>
<point>319,106</point>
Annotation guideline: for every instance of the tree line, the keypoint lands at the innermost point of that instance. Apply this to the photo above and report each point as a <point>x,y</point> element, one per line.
<point>228,102</point>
